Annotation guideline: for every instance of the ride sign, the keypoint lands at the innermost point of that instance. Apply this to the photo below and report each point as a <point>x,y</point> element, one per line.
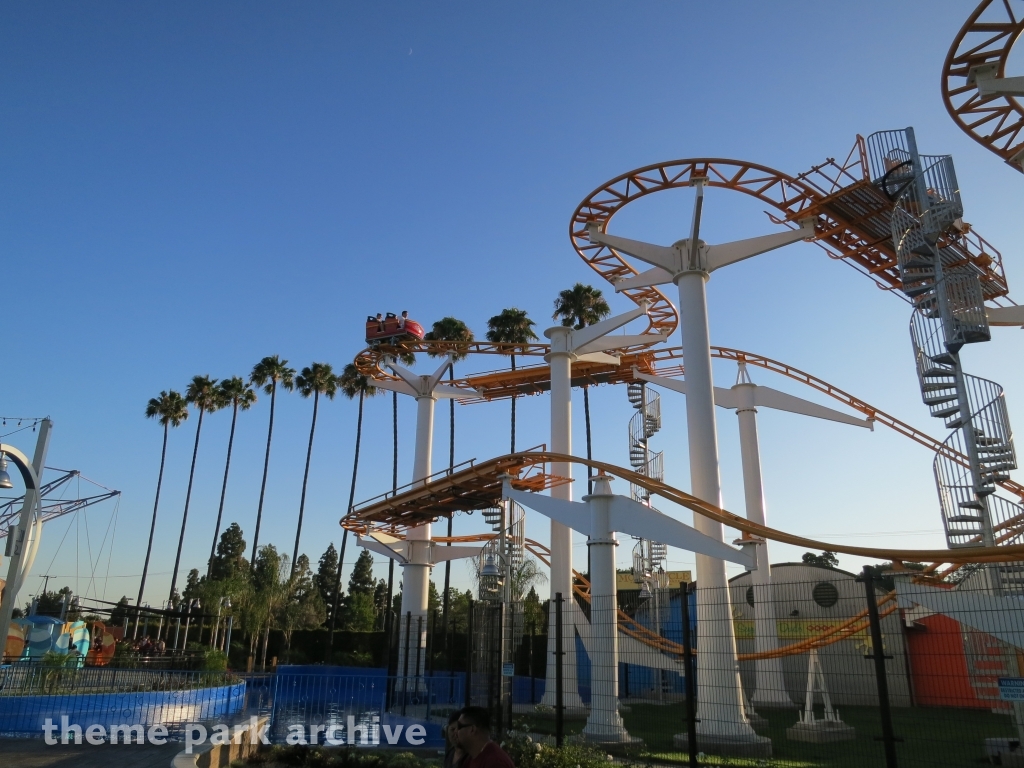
<point>1011,688</point>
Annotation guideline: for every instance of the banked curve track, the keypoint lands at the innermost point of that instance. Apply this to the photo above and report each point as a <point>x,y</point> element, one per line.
<point>486,478</point>
<point>986,38</point>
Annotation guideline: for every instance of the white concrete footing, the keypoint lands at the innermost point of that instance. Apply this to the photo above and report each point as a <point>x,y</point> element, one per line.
<point>821,732</point>
<point>727,744</point>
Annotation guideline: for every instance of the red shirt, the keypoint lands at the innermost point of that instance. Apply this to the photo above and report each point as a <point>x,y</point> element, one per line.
<point>491,756</point>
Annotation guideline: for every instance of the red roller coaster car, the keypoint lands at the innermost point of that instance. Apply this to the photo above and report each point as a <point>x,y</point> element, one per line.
<point>392,329</point>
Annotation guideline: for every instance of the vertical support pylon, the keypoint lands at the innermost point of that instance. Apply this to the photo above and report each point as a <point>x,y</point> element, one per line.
<point>688,263</point>
<point>417,553</point>
<point>569,345</point>
<point>600,516</point>
<point>745,398</point>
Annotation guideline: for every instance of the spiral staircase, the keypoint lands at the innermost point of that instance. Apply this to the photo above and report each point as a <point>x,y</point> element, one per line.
<point>649,557</point>
<point>949,294</point>
<point>515,546</point>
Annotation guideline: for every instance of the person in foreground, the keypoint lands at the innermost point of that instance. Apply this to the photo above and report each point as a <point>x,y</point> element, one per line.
<point>474,738</point>
<point>453,754</point>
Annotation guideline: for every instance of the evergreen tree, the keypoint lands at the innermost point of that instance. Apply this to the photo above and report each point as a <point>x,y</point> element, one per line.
<point>119,613</point>
<point>193,585</point>
<point>361,581</point>
<point>533,611</point>
<point>230,557</point>
<point>50,603</point>
<point>458,609</point>
<point>433,597</point>
<point>304,609</point>
<point>359,610</point>
<point>326,579</point>
<point>380,603</point>
<point>266,568</point>
<point>826,558</point>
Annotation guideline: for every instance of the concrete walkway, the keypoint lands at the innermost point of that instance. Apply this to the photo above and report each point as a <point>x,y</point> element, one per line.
<point>35,753</point>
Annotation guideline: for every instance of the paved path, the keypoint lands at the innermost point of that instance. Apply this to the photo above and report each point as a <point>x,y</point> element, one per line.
<point>35,753</point>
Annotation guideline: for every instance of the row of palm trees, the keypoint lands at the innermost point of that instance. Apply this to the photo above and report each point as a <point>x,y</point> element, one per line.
<point>576,307</point>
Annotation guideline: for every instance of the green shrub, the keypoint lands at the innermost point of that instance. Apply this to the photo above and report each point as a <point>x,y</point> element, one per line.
<point>215,661</point>
<point>526,753</point>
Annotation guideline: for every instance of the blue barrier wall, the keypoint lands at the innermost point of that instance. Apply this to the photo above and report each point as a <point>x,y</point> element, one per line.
<point>25,715</point>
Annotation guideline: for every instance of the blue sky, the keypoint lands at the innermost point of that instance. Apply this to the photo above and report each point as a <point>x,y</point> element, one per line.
<point>185,188</point>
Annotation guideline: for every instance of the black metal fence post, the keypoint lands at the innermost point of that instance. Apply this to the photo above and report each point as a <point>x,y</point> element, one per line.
<point>431,630</point>
<point>559,702</point>
<point>405,665</point>
<point>469,656</point>
<point>533,680</point>
<point>691,687</point>
<point>878,655</point>
<point>391,653</point>
<point>418,675</point>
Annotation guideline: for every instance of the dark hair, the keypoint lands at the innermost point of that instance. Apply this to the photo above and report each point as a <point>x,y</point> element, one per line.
<point>478,716</point>
<point>454,716</point>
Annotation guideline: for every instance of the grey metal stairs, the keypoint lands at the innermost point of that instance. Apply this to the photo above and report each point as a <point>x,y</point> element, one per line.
<point>649,557</point>
<point>949,313</point>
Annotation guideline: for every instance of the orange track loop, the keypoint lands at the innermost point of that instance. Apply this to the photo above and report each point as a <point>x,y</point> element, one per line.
<point>629,625</point>
<point>648,361</point>
<point>995,122</point>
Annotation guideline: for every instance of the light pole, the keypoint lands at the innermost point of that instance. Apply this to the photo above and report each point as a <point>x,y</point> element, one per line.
<point>188,620</point>
<point>177,626</point>
<point>224,602</point>
<point>688,263</point>
<point>30,521</point>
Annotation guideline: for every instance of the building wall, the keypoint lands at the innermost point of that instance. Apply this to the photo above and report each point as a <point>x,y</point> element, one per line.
<point>849,676</point>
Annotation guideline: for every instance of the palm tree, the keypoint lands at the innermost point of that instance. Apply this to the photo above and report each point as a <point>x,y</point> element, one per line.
<point>268,373</point>
<point>170,409</point>
<point>352,383</point>
<point>578,307</point>
<point>449,329</point>
<point>201,392</point>
<point>240,396</point>
<point>512,326</point>
<point>316,379</point>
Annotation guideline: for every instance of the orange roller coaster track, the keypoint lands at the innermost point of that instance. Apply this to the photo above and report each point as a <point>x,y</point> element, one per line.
<point>995,121</point>
<point>480,485</point>
<point>853,219</point>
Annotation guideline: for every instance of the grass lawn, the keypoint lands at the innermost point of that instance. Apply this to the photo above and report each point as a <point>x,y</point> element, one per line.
<point>933,737</point>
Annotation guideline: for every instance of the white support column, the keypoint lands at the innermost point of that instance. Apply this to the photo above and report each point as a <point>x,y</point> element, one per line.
<point>417,553</point>
<point>719,696</point>
<point>984,78</point>
<point>745,397</point>
<point>561,535</point>
<point>600,516</point>
<point>688,263</point>
<point>604,724</point>
<point>416,572</point>
<point>568,345</point>
<point>770,685</point>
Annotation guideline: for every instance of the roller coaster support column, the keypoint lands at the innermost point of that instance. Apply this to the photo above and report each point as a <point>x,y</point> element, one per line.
<point>600,516</point>
<point>984,78</point>
<point>745,398</point>
<point>417,553</point>
<point>567,346</point>
<point>688,263</point>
